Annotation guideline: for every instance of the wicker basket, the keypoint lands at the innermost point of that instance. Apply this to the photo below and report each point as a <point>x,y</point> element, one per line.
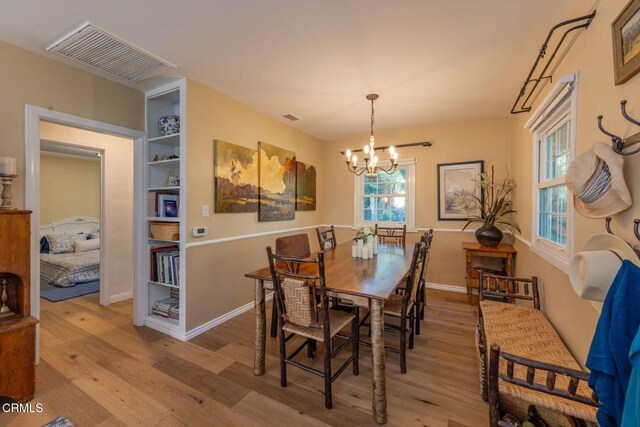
<point>164,230</point>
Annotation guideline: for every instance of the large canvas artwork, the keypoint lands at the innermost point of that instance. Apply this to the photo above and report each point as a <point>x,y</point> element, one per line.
<point>458,184</point>
<point>235,178</point>
<point>305,187</point>
<point>277,183</point>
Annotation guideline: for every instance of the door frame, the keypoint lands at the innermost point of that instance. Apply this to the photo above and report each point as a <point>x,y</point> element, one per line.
<point>33,116</point>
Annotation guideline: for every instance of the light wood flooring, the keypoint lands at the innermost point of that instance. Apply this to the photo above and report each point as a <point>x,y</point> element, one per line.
<point>99,370</point>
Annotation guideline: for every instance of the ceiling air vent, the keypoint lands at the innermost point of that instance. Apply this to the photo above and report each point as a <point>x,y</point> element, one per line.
<point>102,51</point>
<point>290,117</point>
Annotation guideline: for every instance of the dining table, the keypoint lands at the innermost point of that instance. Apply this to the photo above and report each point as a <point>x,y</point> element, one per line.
<point>367,283</point>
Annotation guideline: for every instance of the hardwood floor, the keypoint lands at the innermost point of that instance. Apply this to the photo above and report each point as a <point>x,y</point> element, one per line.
<point>99,370</point>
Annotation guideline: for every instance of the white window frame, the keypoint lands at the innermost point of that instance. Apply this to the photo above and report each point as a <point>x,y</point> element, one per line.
<point>410,203</point>
<point>558,108</point>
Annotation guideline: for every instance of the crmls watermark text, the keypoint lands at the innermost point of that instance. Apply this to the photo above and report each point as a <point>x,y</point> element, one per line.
<point>31,408</point>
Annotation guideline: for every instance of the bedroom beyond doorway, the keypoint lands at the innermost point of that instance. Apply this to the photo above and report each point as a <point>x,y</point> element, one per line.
<point>85,214</point>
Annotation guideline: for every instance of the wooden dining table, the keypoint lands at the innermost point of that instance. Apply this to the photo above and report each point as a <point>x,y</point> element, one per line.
<point>367,283</point>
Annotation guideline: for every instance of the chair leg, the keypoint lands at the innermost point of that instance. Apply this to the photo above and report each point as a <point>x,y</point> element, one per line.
<point>310,348</point>
<point>412,322</point>
<point>328,402</point>
<point>417,309</point>
<point>403,345</point>
<point>423,299</point>
<point>283,355</point>
<point>355,330</point>
<point>274,320</point>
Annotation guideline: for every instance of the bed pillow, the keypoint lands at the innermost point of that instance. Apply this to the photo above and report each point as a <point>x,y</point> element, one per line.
<point>44,245</point>
<point>86,245</point>
<point>63,243</point>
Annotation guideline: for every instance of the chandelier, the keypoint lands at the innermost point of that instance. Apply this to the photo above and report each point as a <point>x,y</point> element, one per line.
<point>370,158</point>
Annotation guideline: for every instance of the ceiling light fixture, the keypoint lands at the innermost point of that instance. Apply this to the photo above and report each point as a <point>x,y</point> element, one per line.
<point>370,158</point>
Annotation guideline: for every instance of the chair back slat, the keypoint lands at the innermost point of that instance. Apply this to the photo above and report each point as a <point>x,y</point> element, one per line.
<point>391,234</point>
<point>293,246</point>
<point>327,238</point>
<point>414,276</point>
<point>300,293</point>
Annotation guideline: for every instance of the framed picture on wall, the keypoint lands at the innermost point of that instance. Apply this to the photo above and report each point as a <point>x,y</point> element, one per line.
<point>626,42</point>
<point>458,184</point>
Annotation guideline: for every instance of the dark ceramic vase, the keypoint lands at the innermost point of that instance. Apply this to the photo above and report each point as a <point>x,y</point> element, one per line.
<point>489,236</point>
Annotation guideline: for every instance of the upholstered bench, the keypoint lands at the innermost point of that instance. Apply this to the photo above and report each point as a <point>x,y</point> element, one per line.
<point>523,360</point>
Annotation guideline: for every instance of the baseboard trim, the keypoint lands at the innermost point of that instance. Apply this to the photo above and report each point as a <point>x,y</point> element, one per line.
<point>120,297</point>
<point>448,288</point>
<point>220,320</point>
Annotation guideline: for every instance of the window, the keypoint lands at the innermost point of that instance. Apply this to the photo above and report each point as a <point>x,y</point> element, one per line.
<point>553,145</point>
<point>386,198</point>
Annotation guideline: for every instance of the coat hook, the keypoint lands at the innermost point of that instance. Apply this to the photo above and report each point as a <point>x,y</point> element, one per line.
<point>623,107</point>
<point>617,142</point>
<point>607,224</point>
<point>636,225</point>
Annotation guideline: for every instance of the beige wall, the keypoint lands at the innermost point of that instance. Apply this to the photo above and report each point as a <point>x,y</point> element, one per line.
<point>591,57</point>
<point>59,175</point>
<point>215,283</point>
<point>33,79</point>
<point>117,225</point>
<point>487,140</point>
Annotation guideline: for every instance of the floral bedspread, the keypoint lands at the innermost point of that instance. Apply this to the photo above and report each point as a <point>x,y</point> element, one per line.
<point>68,269</point>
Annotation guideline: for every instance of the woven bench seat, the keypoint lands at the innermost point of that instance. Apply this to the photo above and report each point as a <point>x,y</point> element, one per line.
<point>524,331</point>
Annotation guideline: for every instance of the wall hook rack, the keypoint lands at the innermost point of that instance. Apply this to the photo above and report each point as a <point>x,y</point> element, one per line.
<point>636,227</point>
<point>618,144</point>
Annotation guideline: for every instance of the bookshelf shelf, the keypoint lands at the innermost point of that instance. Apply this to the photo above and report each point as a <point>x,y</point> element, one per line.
<point>165,273</point>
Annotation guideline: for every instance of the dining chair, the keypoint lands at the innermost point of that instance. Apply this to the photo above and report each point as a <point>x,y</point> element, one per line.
<point>327,238</point>
<point>396,235</point>
<point>294,246</point>
<point>303,310</point>
<point>404,307</point>
<point>427,238</point>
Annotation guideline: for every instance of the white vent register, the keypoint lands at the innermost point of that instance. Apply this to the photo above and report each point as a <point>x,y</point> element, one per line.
<point>102,51</point>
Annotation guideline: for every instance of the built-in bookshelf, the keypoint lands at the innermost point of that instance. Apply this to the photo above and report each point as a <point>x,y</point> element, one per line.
<point>165,172</point>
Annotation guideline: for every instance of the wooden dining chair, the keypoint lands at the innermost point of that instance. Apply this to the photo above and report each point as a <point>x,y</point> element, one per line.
<point>396,235</point>
<point>404,307</point>
<point>293,246</point>
<point>303,309</point>
<point>327,238</point>
<point>427,238</point>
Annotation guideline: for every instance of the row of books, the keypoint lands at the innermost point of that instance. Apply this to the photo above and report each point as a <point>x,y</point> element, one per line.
<point>168,307</point>
<point>165,265</point>
<point>162,204</point>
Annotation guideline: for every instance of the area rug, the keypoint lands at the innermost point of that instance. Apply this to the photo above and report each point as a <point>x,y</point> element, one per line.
<point>54,293</point>
<point>59,422</point>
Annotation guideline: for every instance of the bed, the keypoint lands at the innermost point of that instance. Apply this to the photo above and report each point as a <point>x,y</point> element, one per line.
<point>70,268</point>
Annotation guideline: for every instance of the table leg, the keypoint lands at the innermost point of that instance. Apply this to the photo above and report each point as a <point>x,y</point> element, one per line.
<point>377,353</point>
<point>261,329</point>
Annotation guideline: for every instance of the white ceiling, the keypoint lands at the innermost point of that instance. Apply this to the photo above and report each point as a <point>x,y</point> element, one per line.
<point>430,60</point>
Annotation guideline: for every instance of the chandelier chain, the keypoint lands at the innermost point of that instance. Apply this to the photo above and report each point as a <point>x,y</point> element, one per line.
<point>373,116</point>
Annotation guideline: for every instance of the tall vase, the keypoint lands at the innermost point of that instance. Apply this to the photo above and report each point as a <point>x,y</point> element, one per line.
<point>359,242</point>
<point>370,246</point>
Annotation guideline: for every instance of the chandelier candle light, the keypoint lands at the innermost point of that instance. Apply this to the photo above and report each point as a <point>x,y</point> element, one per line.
<point>370,158</point>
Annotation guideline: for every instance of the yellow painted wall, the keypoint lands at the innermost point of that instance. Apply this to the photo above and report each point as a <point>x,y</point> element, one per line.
<point>591,57</point>
<point>488,140</point>
<point>69,186</point>
<point>215,283</point>
<point>33,79</point>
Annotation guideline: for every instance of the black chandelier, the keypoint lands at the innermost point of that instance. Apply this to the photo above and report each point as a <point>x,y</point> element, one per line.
<point>370,158</point>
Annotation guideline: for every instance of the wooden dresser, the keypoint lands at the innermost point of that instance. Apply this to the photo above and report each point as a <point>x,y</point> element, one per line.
<point>17,326</point>
<point>505,253</point>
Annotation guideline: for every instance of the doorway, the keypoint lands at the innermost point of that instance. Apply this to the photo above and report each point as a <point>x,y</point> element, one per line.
<point>71,203</point>
<point>36,120</point>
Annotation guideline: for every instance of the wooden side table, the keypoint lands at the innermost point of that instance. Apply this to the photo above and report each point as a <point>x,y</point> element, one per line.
<point>473,250</point>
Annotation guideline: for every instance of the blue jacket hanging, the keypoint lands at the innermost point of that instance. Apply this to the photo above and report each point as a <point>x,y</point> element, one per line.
<point>608,357</point>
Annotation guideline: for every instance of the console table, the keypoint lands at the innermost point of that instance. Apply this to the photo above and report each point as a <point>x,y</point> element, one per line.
<point>506,253</point>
